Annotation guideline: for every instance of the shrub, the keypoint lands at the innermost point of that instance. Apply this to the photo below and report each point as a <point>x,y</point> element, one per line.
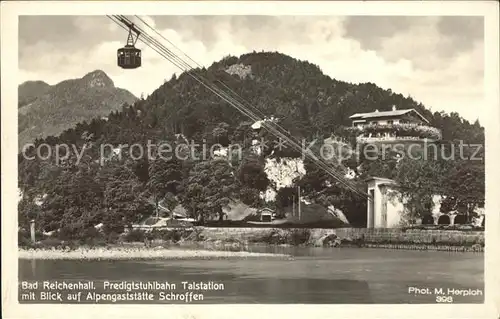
<point>299,236</point>
<point>51,242</point>
<point>23,238</point>
<point>174,235</point>
<point>151,221</point>
<point>113,237</point>
<point>113,227</point>
<point>92,237</point>
<point>66,233</point>
<point>90,233</point>
<point>134,235</point>
<point>274,238</point>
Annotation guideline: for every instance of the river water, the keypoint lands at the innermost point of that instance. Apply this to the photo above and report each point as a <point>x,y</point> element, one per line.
<point>314,275</point>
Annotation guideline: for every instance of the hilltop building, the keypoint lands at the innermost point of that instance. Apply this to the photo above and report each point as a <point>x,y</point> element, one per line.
<point>393,126</point>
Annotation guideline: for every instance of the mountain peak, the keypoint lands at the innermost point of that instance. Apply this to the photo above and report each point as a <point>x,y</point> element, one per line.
<point>50,111</point>
<point>98,78</point>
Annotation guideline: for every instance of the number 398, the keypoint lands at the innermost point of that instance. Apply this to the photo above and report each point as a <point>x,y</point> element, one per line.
<point>444,299</point>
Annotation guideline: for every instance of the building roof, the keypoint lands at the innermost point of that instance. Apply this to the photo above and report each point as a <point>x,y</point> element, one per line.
<point>386,114</point>
<point>266,210</point>
<point>179,210</point>
<point>381,180</point>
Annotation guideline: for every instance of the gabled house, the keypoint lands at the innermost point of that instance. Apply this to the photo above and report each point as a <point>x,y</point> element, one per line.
<point>266,214</point>
<point>395,116</point>
<point>393,125</point>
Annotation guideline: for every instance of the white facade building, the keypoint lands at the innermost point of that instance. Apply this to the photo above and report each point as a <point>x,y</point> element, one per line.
<point>385,209</point>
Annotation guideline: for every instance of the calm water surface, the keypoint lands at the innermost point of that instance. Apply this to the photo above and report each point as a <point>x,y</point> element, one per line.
<point>314,275</point>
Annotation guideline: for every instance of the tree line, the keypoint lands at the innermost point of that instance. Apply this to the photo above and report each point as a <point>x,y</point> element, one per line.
<point>307,103</point>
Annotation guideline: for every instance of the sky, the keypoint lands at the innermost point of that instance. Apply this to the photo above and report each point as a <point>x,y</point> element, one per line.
<point>438,61</point>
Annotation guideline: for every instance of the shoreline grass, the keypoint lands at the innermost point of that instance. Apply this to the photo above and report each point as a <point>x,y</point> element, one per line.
<point>116,253</point>
<point>216,243</point>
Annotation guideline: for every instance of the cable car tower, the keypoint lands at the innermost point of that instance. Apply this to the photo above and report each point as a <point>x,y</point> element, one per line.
<point>129,57</point>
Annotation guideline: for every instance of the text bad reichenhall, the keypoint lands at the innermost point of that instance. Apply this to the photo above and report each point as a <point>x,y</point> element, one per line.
<point>60,285</point>
<point>155,285</point>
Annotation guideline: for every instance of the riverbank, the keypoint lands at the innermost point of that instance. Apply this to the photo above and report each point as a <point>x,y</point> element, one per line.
<point>408,239</point>
<point>137,253</point>
<point>235,241</point>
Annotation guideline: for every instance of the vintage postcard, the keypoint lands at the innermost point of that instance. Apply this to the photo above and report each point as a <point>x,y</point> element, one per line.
<point>250,159</point>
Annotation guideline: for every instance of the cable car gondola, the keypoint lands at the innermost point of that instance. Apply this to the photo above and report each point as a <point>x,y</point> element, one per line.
<point>129,57</point>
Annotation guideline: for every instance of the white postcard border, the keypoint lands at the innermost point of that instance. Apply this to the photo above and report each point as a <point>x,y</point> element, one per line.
<point>10,11</point>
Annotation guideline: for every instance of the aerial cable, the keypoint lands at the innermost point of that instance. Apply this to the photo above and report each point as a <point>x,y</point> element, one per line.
<point>159,44</point>
<point>151,42</point>
<point>232,91</point>
<point>161,35</point>
<point>228,88</point>
<point>173,58</point>
<point>189,68</point>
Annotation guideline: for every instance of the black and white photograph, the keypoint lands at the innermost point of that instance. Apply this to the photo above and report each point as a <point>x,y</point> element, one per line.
<point>250,153</point>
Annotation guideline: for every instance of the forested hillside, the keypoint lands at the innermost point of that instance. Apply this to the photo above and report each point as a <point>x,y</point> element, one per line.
<point>30,91</point>
<point>306,102</point>
<point>46,110</point>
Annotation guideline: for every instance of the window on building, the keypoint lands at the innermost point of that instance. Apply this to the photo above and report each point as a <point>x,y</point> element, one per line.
<point>390,122</point>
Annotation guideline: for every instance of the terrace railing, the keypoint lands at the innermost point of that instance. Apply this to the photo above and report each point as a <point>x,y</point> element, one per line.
<point>410,131</point>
